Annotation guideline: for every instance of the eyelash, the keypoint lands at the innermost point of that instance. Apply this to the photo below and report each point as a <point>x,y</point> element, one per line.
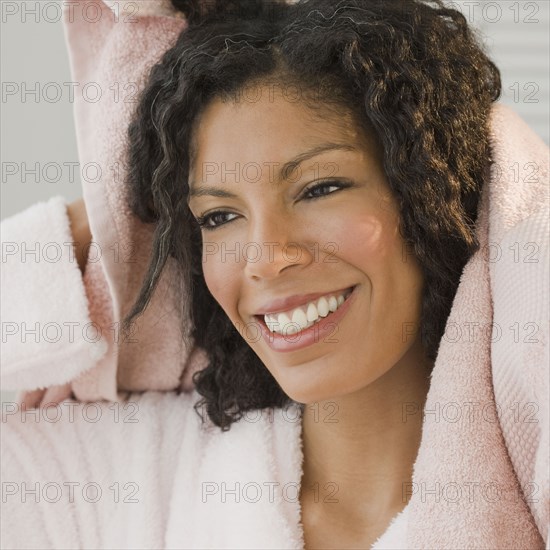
<point>202,220</point>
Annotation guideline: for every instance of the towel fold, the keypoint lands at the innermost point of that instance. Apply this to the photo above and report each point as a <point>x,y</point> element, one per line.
<point>117,55</point>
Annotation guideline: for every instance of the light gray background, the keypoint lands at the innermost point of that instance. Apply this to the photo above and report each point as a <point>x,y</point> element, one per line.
<point>33,51</point>
<point>43,132</point>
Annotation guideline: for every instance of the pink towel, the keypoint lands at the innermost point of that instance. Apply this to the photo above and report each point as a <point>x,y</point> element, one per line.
<point>494,354</point>
<point>488,368</point>
<point>117,53</point>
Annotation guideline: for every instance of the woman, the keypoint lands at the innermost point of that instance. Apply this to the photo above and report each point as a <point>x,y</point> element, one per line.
<point>316,171</point>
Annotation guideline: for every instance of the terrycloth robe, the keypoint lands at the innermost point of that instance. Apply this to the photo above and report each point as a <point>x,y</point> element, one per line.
<point>480,478</point>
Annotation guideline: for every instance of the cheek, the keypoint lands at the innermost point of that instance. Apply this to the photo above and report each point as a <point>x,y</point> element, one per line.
<point>363,229</point>
<point>220,274</point>
<point>360,238</point>
<point>370,242</point>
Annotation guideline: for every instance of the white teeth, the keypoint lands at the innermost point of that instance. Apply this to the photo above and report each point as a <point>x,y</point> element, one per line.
<point>311,313</point>
<point>322,307</point>
<point>283,319</point>
<point>291,329</point>
<point>303,317</point>
<point>299,317</point>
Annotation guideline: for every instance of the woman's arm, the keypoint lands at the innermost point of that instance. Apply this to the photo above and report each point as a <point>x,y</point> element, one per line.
<point>94,475</point>
<point>48,338</point>
<point>80,229</point>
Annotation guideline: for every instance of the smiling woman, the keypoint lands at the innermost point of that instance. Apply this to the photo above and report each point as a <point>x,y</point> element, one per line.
<point>329,225</point>
<point>287,155</point>
<point>327,178</point>
<point>405,91</point>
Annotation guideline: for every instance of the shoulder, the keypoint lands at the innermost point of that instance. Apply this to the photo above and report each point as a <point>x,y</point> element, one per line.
<point>154,449</point>
<point>520,352</point>
<point>86,428</point>
<point>151,414</point>
<point>75,471</point>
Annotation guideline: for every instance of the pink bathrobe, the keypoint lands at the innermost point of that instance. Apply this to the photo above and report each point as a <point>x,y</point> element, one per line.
<point>480,479</point>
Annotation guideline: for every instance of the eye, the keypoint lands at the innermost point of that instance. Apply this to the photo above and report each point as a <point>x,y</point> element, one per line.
<point>325,185</point>
<point>204,222</point>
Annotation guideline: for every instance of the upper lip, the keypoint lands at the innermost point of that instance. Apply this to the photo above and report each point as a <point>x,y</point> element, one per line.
<point>279,305</point>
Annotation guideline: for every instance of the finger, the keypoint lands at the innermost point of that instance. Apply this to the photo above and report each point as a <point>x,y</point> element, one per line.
<point>30,399</point>
<point>55,395</point>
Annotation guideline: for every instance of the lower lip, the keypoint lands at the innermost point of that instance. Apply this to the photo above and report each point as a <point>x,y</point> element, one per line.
<point>324,331</point>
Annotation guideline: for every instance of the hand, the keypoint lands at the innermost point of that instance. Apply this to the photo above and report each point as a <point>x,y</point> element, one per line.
<point>37,399</point>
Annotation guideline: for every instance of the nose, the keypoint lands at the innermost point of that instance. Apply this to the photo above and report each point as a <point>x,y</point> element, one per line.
<point>274,245</point>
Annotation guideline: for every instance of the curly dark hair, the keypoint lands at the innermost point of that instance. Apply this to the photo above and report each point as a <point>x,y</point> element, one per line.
<point>411,72</point>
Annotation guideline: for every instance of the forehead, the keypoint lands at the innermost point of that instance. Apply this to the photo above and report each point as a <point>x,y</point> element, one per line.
<point>268,126</point>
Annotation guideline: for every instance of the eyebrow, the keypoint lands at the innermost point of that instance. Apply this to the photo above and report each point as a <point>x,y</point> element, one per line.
<point>282,174</point>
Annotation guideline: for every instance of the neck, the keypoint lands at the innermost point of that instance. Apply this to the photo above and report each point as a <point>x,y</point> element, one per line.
<point>363,454</point>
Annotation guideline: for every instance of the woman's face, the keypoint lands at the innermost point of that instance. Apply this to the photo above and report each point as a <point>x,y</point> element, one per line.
<point>278,237</point>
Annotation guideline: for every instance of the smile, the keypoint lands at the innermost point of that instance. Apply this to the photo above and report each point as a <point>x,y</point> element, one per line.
<point>296,329</point>
<point>297,319</point>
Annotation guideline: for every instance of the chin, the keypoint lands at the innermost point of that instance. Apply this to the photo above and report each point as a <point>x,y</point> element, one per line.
<point>314,392</point>
<point>306,398</point>
<point>309,386</point>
